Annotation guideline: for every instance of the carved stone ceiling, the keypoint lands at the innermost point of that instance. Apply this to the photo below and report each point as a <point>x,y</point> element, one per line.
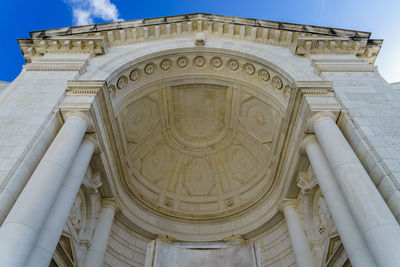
<point>199,149</point>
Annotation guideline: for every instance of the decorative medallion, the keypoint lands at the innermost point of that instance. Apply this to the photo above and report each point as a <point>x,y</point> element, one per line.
<point>122,82</point>
<point>150,68</point>
<point>263,74</point>
<point>229,202</point>
<point>166,64</point>
<point>287,91</point>
<point>135,74</point>
<point>216,62</point>
<point>277,83</point>
<point>182,62</point>
<point>233,64</point>
<point>199,61</point>
<point>111,90</point>
<point>249,69</point>
<point>169,202</point>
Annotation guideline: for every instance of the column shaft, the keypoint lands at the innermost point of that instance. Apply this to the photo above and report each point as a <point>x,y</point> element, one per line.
<point>353,242</point>
<point>51,231</point>
<point>373,217</point>
<point>101,234</point>
<point>20,229</point>
<point>300,246</point>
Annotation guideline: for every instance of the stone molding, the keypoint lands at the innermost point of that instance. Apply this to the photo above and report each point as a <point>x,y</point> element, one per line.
<point>342,65</point>
<point>344,46</point>
<point>91,138</point>
<point>81,114</point>
<point>37,47</point>
<point>323,115</point>
<point>287,203</point>
<point>307,141</point>
<point>55,66</point>
<point>79,97</point>
<point>306,183</point>
<point>156,68</point>
<point>303,39</point>
<point>110,202</point>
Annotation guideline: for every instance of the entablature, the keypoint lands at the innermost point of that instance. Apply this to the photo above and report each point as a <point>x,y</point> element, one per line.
<point>301,39</point>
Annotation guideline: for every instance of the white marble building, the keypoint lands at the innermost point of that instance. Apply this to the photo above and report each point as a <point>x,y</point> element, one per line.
<point>267,143</point>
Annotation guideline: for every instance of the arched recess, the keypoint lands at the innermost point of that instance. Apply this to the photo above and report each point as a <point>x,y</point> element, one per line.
<point>248,91</point>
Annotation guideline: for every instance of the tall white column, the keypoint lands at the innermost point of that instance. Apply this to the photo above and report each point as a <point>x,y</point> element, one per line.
<point>20,229</point>
<point>101,234</point>
<point>373,217</point>
<point>51,231</point>
<point>299,240</point>
<point>353,242</point>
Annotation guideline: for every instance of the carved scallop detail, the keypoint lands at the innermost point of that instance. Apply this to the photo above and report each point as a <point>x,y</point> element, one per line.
<point>150,68</point>
<point>122,82</point>
<point>111,90</point>
<point>249,69</point>
<point>233,64</point>
<point>287,91</point>
<point>182,62</point>
<point>199,61</point>
<point>166,64</point>
<point>277,83</point>
<point>263,75</point>
<point>135,75</point>
<point>216,62</point>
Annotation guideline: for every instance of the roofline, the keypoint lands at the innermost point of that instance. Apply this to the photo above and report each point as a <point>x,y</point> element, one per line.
<point>198,16</point>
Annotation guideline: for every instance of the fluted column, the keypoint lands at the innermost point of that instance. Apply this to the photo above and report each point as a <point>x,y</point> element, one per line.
<point>51,231</point>
<point>353,242</point>
<point>373,217</point>
<point>20,229</point>
<point>101,234</point>
<point>297,235</point>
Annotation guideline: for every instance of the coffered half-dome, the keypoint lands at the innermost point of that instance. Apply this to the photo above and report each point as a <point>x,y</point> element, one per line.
<point>200,132</point>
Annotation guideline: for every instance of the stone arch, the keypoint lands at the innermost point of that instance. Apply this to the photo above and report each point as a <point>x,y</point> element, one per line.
<point>213,70</point>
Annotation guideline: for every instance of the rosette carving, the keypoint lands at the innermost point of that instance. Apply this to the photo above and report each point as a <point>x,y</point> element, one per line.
<point>249,69</point>
<point>122,82</point>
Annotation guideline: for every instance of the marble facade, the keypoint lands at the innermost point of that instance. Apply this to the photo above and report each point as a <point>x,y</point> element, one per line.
<point>199,129</point>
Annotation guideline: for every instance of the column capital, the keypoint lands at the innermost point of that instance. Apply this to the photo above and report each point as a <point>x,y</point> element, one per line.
<point>322,115</point>
<point>110,202</point>
<point>91,138</point>
<point>81,115</point>
<point>307,141</point>
<point>288,203</point>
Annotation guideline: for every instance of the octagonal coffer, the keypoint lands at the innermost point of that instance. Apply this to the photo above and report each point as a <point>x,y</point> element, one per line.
<point>199,149</point>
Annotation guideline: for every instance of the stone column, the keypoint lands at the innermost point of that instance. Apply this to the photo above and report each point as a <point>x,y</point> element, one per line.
<point>353,242</point>
<point>52,229</point>
<point>20,229</point>
<point>101,234</point>
<point>373,217</point>
<point>299,240</point>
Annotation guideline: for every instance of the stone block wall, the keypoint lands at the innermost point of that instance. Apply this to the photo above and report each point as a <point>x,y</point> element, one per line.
<point>125,247</point>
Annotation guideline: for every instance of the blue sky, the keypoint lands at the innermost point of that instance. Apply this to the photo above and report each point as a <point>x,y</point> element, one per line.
<point>381,17</point>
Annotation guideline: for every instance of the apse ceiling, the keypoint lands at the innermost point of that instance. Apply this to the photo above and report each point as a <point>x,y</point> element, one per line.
<point>198,143</point>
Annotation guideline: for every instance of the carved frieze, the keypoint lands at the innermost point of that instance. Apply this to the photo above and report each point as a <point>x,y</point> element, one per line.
<point>206,63</point>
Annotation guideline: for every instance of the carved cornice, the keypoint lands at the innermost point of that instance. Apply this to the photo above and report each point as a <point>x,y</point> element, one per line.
<point>37,47</point>
<point>302,38</point>
<point>343,46</point>
<point>186,18</point>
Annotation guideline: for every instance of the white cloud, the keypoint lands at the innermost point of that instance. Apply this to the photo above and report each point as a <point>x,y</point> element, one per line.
<point>84,11</point>
<point>82,17</point>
